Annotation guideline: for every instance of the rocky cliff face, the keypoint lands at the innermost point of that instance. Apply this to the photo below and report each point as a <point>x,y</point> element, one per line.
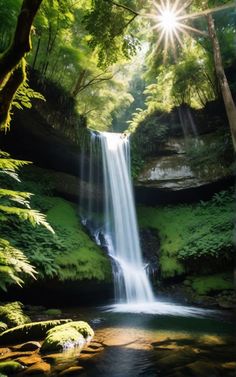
<point>185,164</point>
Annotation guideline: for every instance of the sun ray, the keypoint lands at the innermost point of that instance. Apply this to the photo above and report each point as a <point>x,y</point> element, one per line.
<point>205,12</point>
<point>173,45</point>
<point>178,37</point>
<point>184,6</point>
<point>184,26</point>
<point>175,6</point>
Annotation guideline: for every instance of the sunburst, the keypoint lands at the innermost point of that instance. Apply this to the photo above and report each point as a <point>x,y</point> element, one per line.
<point>170,19</point>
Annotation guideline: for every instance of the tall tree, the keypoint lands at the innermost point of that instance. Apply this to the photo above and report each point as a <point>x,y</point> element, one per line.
<point>223,82</point>
<point>12,65</point>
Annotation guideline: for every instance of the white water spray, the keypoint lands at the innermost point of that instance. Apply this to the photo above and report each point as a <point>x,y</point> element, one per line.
<point>121,230</point>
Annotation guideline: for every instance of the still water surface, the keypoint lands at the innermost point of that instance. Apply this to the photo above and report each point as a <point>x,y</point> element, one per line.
<point>157,345</point>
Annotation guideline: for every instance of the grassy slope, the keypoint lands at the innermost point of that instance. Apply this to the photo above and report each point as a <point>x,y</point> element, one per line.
<point>83,259</point>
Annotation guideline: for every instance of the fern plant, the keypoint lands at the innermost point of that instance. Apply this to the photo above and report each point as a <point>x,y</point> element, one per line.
<point>13,262</point>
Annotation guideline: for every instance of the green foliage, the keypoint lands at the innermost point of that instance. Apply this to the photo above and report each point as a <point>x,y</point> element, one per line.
<point>149,135</point>
<point>106,24</point>
<point>67,254</point>
<point>211,283</point>
<point>12,314</point>
<point>15,205</point>
<point>217,148</point>
<point>24,96</point>
<point>189,233</point>
<point>29,331</point>
<point>13,263</point>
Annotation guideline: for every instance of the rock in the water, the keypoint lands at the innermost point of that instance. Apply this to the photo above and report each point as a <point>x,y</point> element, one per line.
<point>28,346</point>
<point>69,335</point>
<point>31,331</point>
<point>38,368</point>
<point>10,367</point>
<point>29,360</point>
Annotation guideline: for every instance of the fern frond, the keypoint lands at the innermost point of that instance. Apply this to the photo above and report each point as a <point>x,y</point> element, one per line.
<point>12,263</point>
<point>12,164</point>
<point>33,216</point>
<point>16,196</point>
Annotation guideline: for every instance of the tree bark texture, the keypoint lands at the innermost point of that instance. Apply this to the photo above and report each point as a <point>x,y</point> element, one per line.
<point>223,82</point>
<point>11,61</point>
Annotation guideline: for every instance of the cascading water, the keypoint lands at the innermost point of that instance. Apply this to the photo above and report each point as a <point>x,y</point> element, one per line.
<point>107,209</point>
<point>121,230</point>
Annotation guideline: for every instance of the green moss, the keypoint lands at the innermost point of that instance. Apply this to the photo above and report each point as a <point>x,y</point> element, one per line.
<point>31,331</point>
<point>170,266</point>
<point>190,232</point>
<point>10,367</point>
<point>12,314</point>
<point>53,312</point>
<point>65,336</point>
<point>3,327</point>
<point>69,254</point>
<point>207,284</point>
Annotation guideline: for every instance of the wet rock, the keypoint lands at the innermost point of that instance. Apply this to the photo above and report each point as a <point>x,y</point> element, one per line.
<point>13,355</point>
<point>10,367</point>
<point>71,371</point>
<point>38,368</point>
<point>29,360</point>
<point>3,351</point>
<point>28,346</point>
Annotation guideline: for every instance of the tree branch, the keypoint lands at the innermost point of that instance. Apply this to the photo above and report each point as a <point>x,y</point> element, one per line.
<point>126,8</point>
<point>21,43</point>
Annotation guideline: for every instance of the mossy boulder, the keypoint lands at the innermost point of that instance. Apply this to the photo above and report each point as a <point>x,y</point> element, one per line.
<point>31,331</point>
<point>3,327</point>
<point>69,335</point>
<point>10,367</point>
<point>12,314</point>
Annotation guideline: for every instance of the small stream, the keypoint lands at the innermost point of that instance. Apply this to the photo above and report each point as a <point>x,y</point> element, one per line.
<point>155,345</point>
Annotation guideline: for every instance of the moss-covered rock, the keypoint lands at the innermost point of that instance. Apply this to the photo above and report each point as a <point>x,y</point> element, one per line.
<point>3,327</point>
<point>69,335</point>
<point>12,314</point>
<point>10,367</point>
<point>31,331</point>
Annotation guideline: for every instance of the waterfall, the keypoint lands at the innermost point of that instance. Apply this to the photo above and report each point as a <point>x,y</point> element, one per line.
<point>108,211</point>
<point>118,226</point>
<point>121,230</point>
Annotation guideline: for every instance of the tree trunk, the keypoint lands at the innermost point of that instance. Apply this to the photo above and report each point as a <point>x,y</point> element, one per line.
<point>12,65</point>
<point>224,85</point>
<point>21,43</point>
